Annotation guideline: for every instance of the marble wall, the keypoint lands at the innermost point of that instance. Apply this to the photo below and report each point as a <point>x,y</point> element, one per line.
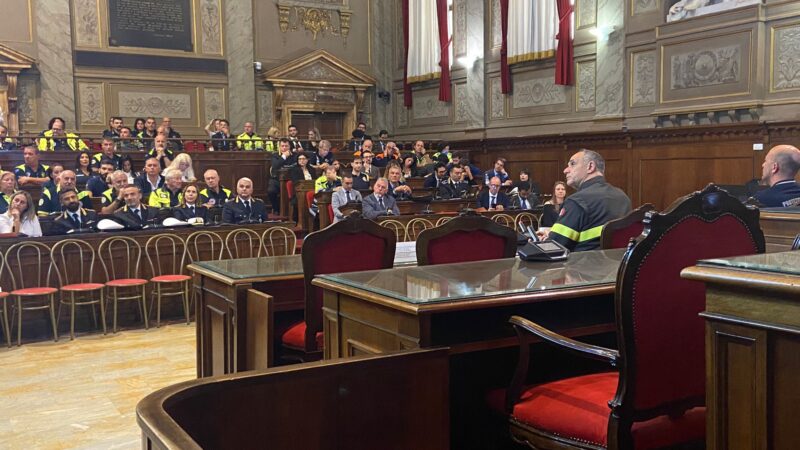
<point>54,61</point>
<point>239,55</point>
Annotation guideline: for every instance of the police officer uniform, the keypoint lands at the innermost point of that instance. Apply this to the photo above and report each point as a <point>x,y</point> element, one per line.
<point>164,198</point>
<point>784,193</point>
<point>145,139</point>
<point>167,154</point>
<point>238,210</point>
<point>249,142</point>
<point>136,218</point>
<point>360,181</point>
<point>24,170</point>
<point>109,196</point>
<point>80,220</point>
<point>585,212</point>
<point>7,144</point>
<point>323,184</point>
<point>50,203</point>
<point>453,189</point>
<point>5,200</point>
<point>71,141</point>
<point>217,198</point>
<point>115,158</point>
<point>97,185</point>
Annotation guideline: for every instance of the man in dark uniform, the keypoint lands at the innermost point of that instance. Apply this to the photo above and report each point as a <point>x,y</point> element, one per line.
<point>438,177</point>
<point>778,171</point>
<point>455,186</point>
<point>74,218</point>
<point>50,203</point>
<point>108,146</point>
<point>147,135</point>
<point>586,212</point>
<point>161,152</point>
<point>244,208</point>
<point>360,179</point>
<point>98,183</point>
<point>112,197</point>
<point>214,194</point>
<point>6,143</point>
<point>151,179</point>
<point>134,215</point>
<point>114,124</point>
<point>31,172</point>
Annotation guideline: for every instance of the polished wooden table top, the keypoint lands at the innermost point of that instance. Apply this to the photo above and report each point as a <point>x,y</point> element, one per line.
<point>481,283</point>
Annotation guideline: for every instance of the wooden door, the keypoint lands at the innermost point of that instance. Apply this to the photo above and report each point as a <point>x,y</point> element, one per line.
<point>330,125</point>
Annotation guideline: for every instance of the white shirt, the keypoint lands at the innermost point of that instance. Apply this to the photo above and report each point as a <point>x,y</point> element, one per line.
<point>29,227</point>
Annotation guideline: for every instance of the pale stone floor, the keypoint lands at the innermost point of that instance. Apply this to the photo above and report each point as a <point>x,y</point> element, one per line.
<point>82,394</point>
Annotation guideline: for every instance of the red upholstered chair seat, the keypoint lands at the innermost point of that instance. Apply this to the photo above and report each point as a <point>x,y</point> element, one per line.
<point>123,282</point>
<point>295,337</point>
<point>290,189</point>
<point>577,408</point>
<point>170,278</point>
<point>82,287</point>
<point>330,212</point>
<point>35,291</point>
<point>309,198</point>
<point>3,294</point>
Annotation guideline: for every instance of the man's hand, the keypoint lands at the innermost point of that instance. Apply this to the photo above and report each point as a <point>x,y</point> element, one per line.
<point>542,234</point>
<point>499,207</point>
<point>23,180</point>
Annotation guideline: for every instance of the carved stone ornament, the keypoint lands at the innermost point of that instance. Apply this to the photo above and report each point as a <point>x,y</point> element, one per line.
<point>317,21</point>
<point>643,91</point>
<point>537,92</point>
<point>92,103</point>
<point>210,24</point>
<point>787,58</point>
<point>136,104</point>
<point>707,67</point>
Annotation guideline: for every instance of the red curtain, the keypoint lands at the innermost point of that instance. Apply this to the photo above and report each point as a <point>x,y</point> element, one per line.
<point>505,72</point>
<point>444,51</point>
<point>565,69</point>
<point>407,99</point>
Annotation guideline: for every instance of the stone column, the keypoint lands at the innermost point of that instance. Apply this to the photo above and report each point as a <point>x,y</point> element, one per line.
<point>239,54</point>
<point>610,60</point>
<point>383,15</point>
<point>54,62</point>
<point>475,106</point>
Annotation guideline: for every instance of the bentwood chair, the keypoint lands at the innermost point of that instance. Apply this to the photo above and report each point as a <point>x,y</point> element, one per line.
<point>504,219</point>
<point>330,250</point>
<point>278,241</point>
<point>120,257</point>
<point>77,281</point>
<point>468,237</point>
<point>653,394</point>
<point>3,297</point>
<point>204,245</point>
<point>617,233</point>
<point>243,243</point>
<point>166,255</point>
<point>397,228</point>
<point>796,243</point>
<point>416,226</point>
<point>527,219</point>
<point>443,220</point>
<point>28,264</point>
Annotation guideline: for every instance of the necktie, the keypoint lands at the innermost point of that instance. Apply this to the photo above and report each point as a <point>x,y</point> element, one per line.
<point>247,207</point>
<point>136,213</point>
<point>347,193</point>
<point>380,203</point>
<point>193,212</point>
<point>492,201</point>
<point>524,204</point>
<point>77,218</point>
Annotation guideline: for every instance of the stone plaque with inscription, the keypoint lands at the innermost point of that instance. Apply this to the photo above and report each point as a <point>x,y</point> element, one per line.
<point>164,24</point>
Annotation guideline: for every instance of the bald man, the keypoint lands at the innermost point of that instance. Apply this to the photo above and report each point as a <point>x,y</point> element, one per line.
<point>778,172</point>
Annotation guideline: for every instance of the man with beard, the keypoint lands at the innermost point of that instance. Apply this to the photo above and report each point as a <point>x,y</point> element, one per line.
<point>74,218</point>
<point>50,202</point>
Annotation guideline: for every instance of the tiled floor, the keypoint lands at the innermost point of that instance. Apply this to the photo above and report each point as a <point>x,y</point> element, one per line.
<point>83,393</point>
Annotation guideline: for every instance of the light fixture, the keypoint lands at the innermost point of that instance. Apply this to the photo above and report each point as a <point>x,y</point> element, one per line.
<point>602,32</point>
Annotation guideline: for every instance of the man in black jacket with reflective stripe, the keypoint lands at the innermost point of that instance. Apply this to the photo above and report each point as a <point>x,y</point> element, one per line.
<point>586,212</point>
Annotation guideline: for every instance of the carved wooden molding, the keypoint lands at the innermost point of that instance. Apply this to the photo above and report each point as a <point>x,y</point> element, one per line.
<point>320,22</point>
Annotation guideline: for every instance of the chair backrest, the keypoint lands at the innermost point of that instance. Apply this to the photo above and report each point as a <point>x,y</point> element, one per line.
<point>443,220</point>
<point>660,335</point>
<point>416,226</point>
<point>527,219</point>
<point>290,189</point>
<point>243,243</point>
<point>73,262</point>
<point>504,219</point>
<point>120,257</point>
<point>204,246</point>
<point>28,264</point>
<point>466,238</point>
<point>350,245</point>
<point>397,228</point>
<point>796,242</point>
<point>617,233</point>
<point>278,241</point>
<point>166,254</point>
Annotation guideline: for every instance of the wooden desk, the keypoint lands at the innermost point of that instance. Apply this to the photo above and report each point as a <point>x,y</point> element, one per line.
<point>752,350</point>
<point>465,306</point>
<point>304,219</point>
<point>780,226</point>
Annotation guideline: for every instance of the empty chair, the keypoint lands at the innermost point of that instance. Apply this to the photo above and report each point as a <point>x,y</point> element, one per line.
<point>243,243</point>
<point>466,238</point>
<point>3,297</point>
<point>443,220</point>
<point>121,258</point>
<point>504,219</point>
<point>77,282</point>
<point>204,246</point>
<point>617,233</point>
<point>527,219</point>
<point>166,254</point>
<point>397,228</point>
<point>416,226</point>
<point>28,265</point>
<point>653,394</point>
<point>278,241</point>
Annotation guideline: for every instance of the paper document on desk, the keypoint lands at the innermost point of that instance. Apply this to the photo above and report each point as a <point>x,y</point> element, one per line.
<point>405,253</point>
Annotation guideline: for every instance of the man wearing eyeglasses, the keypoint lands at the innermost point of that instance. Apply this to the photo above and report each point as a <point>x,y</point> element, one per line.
<point>492,199</point>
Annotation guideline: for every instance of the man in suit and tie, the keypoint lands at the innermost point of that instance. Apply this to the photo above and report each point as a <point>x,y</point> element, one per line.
<point>344,196</point>
<point>525,198</point>
<point>244,208</point>
<point>134,215</point>
<point>371,170</point>
<point>492,199</point>
<point>294,142</point>
<point>379,203</point>
<point>74,218</point>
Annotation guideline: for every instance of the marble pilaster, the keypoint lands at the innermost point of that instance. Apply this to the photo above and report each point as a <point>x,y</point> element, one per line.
<point>383,57</point>
<point>54,60</point>
<point>610,60</point>
<point>475,108</point>
<point>239,54</point>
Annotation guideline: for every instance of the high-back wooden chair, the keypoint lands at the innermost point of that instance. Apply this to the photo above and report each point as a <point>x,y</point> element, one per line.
<point>166,255</point>
<point>617,233</point>
<point>28,265</point>
<point>121,258</point>
<point>243,243</point>
<point>278,241</point>
<point>416,226</point>
<point>654,394</point>
<point>77,282</point>
<point>468,237</point>
<point>350,245</point>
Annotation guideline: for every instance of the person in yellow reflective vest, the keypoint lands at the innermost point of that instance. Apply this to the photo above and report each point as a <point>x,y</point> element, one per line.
<point>55,138</point>
<point>249,140</point>
<point>169,195</point>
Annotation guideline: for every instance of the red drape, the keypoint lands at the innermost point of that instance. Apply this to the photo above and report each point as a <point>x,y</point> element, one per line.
<point>565,68</point>
<point>444,51</point>
<point>505,72</point>
<point>407,99</point>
